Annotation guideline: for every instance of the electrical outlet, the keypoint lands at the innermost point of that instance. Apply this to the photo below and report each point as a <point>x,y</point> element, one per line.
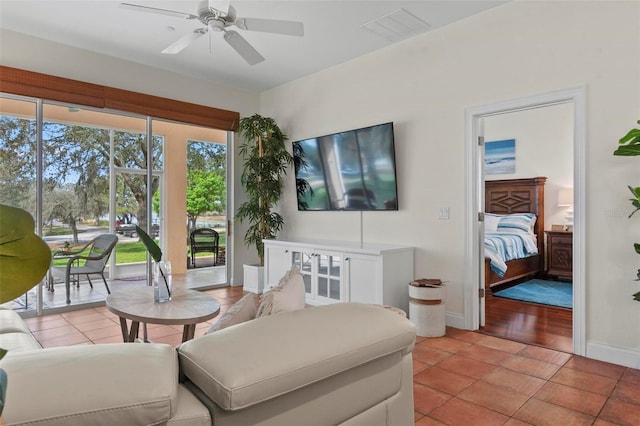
<point>443,213</point>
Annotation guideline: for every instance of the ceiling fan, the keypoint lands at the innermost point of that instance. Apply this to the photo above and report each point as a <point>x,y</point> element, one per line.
<point>217,16</point>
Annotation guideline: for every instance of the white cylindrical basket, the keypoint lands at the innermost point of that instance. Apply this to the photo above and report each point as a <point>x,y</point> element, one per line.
<point>427,309</point>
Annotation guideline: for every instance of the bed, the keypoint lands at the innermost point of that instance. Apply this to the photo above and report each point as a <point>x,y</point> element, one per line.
<point>515,200</point>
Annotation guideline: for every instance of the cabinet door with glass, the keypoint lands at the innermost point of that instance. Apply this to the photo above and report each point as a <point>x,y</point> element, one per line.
<point>304,259</point>
<point>322,273</point>
<point>329,277</point>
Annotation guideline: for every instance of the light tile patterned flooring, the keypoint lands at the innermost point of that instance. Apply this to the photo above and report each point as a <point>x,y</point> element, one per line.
<point>464,378</point>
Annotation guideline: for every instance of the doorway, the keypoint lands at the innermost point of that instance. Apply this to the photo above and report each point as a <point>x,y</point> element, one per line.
<point>520,145</point>
<point>479,121</point>
<point>207,207</point>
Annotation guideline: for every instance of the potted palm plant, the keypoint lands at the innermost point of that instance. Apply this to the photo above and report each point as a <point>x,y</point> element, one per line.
<point>266,162</point>
<point>630,146</point>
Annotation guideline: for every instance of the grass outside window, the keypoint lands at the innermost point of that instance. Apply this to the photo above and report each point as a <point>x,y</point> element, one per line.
<point>133,252</point>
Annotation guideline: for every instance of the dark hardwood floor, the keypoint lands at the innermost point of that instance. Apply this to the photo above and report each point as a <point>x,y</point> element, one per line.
<point>530,323</point>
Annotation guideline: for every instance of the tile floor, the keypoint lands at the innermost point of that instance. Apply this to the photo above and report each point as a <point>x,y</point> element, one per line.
<point>463,378</point>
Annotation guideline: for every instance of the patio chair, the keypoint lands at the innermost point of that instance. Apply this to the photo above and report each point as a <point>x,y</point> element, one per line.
<point>204,240</point>
<point>100,249</point>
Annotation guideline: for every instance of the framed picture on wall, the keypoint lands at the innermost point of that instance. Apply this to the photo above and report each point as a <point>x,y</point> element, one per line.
<point>500,157</point>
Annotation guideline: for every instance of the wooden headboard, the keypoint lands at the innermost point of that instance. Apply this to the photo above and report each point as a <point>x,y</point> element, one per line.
<point>517,196</point>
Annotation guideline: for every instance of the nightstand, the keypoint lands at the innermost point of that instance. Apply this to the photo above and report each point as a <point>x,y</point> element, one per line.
<point>560,254</point>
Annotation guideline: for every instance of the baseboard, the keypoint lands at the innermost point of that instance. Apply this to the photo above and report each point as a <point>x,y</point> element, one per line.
<point>455,320</point>
<point>613,354</point>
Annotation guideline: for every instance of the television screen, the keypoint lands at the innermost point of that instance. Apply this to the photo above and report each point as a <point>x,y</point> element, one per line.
<point>352,170</point>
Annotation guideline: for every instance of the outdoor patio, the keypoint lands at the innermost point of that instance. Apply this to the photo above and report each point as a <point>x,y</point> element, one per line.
<point>201,278</point>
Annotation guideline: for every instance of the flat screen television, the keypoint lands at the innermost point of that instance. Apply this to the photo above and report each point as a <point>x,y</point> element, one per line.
<point>352,170</point>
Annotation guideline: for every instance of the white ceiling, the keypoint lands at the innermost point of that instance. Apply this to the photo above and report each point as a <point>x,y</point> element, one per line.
<point>332,33</point>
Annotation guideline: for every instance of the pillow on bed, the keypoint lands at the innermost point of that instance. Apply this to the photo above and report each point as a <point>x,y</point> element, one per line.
<point>491,222</point>
<point>517,222</point>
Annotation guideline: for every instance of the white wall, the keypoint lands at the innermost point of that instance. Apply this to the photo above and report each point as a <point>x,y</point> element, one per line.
<point>544,147</point>
<point>425,84</point>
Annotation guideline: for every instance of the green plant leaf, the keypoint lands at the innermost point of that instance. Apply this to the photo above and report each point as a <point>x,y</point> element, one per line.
<point>153,249</point>
<point>636,296</point>
<point>24,256</point>
<point>633,136</point>
<point>636,246</point>
<point>635,202</point>
<point>630,143</point>
<point>627,150</point>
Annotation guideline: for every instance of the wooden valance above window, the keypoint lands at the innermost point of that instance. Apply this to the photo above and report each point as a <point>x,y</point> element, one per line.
<point>48,87</point>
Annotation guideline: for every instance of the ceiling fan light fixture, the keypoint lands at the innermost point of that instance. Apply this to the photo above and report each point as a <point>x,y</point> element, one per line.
<point>215,25</point>
<point>396,26</point>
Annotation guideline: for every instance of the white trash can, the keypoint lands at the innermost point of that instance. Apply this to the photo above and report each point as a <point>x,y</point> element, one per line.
<point>426,307</point>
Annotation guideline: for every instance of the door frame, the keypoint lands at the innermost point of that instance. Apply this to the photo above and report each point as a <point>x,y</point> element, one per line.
<point>474,187</point>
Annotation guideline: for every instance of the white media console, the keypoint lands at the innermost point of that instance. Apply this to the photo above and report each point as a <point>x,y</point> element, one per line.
<point>336,271</point>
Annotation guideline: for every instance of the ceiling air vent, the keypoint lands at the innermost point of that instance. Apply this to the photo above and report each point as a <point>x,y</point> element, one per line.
<point>396,25</point>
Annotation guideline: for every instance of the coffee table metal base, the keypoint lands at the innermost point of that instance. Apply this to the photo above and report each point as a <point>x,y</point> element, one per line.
<point>130,334</point>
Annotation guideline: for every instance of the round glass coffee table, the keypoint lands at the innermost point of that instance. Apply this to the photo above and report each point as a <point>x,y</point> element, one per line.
<point>187,307</point>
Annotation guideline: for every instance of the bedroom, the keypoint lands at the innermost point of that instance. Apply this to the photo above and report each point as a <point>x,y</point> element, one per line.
<point>543,147</point>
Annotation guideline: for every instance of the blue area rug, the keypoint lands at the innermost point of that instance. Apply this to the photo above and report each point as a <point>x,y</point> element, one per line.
<point>554,293</point>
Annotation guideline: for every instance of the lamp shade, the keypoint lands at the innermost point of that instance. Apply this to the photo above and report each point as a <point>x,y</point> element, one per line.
<point>565,197</point>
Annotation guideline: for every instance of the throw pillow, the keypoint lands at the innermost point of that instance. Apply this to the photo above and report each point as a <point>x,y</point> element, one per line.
<point>491,222</point>
<point>517,222</point>
<point>288,295</point>
<point>243,310</point>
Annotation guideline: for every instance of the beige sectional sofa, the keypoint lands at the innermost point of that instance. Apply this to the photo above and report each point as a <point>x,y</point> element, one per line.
<point>347,364</point>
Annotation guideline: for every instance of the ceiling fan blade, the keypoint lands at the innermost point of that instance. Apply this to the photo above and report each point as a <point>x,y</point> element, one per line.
<point>221,6</point>
<point>185,41</point>
<point>242,46</point>
<point>157,10</point>
<point>271,26</point>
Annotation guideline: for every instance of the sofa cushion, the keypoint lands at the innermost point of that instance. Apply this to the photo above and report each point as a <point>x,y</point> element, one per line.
<point>14,333</point>
<point>11,322</point>
<point>223,364</point>
<point>105,384</point>
<point>288,295</point>
<point>18,342</point>
<point>243,310</point>
<point>190,411</point>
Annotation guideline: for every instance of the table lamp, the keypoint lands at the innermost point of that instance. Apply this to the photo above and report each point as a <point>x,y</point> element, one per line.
<point>565,199</point>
